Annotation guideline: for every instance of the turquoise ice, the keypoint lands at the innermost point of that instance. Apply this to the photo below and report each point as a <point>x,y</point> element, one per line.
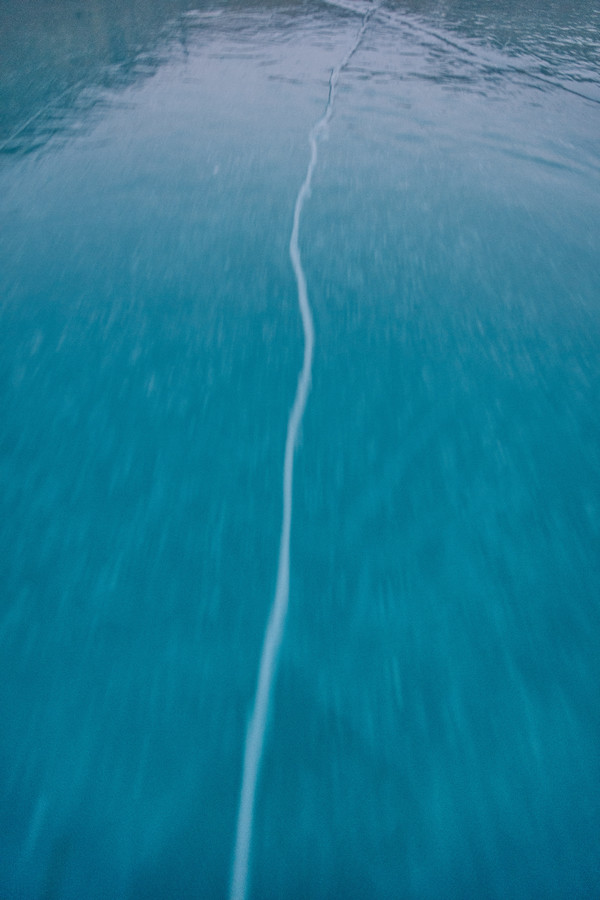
<point>433,725</point>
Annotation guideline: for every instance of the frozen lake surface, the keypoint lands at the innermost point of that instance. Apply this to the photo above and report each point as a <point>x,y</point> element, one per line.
<point>432,717</point>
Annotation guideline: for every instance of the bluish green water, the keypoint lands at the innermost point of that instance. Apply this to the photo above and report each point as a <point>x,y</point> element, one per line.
<point>434,727</point>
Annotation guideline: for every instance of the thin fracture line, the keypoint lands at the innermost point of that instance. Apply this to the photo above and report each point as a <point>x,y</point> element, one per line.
<point>508,67</point>
<point>55,101</point>
<point>255,736</point>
